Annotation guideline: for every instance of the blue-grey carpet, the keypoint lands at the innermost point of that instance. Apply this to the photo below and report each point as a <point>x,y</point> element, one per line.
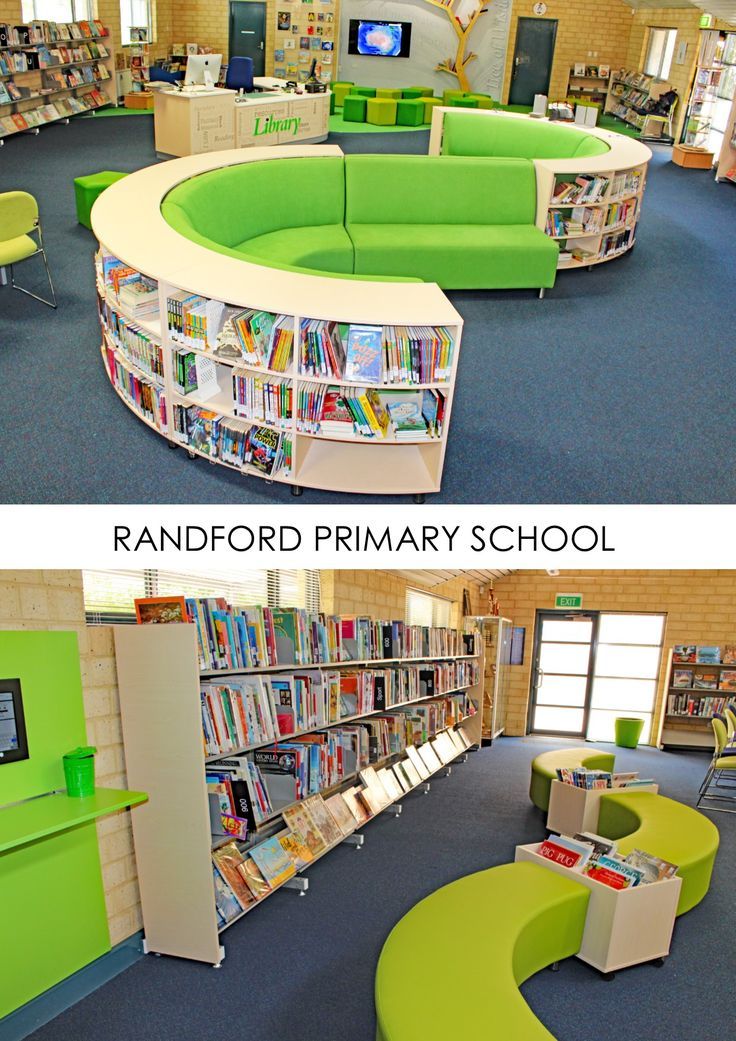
<point>299,969</point>
<point>613,389</point>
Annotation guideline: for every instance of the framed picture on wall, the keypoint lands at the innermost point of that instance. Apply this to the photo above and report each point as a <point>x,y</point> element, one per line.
<point>13,740</point>
<point>151,610</point>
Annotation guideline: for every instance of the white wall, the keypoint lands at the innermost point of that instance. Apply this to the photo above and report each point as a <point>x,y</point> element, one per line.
<point>432,40</point>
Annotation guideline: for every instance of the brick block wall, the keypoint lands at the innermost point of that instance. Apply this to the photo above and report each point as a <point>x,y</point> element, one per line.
<point>54,600</point>
<point>382,594</point>
<point>700,608</point>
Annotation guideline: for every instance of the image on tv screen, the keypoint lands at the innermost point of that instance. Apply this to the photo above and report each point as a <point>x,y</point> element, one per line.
<point>380,38</point>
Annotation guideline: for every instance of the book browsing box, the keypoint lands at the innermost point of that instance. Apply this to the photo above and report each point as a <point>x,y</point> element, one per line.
<point>50,71</point>
<point>293,399</point>
<point>254,772</point>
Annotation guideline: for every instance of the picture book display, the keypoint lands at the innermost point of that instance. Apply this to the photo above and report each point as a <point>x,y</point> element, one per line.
<point>598,858</point>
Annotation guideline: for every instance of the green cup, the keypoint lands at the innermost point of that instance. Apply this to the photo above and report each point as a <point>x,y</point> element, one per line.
<point>79,772</point>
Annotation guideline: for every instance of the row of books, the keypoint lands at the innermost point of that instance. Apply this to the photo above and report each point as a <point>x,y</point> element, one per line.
<point>60,109</point>
<point>580,220</point>
<point>591,780</point>
<point>584,189</point>
<point>253,709</point>
<point>597,857</point>
<point>243,877</point>
<point>703,708</point>
<point>48,32</point>
<point>704,679</point>
<point>628,182</point>
<point>617,242</point>
<point>364,412</point>
<point>262,398</point>
<point>52,83</point>
<point>243,445</point>
<point>45,58</point>
<point>136,344</point>
<point>692,654</point>
<point>634,79</point>
<point>620,213</point>
<point>136,293</point>
<point>260,637</point>
<point>146,398</point>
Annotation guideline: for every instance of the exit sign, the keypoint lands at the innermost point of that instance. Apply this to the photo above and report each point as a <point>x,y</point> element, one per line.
<point>706,20</point>
<point>567,601</point>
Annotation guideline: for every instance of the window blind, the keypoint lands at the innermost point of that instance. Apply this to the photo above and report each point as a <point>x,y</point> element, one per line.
<point>109,595</point>
<point>427,608</point>
<point>56,10</point>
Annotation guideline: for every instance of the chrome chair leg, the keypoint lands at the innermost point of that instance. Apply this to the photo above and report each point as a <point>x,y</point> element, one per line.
<point>41,300</point>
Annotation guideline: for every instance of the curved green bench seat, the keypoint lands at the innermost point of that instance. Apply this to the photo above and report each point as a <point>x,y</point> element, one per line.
<point>545,766</point>
<point>667,829</point>
<point>464,223</point>
<point>520,138</point>
<point>480,938</point>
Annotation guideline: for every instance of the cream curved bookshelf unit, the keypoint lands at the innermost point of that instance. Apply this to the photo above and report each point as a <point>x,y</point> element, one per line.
<point>129,226</point>
<point>612,206</point>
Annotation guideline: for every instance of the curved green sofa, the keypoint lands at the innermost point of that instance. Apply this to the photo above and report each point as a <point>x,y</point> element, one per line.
<point>479,937</point>
<point>667,829</point>
<point>464,134</point>
<point>464,223</point>
<point>545,766</point>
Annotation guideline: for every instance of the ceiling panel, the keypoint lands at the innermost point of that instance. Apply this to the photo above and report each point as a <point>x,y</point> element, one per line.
<point>428,578</point>
<point>725,9</point>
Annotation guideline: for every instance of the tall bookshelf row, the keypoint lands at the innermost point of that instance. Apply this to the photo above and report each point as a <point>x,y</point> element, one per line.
<point>50,71</point>
<point>292,399</point>
<point>704,94</point>
<point>701,681</point>
<point>305,31</point>
<point>594,216</point>
<point>226,863</point>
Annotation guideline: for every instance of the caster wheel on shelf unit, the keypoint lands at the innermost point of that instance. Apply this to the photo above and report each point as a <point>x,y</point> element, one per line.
<point>658,963</point>
<point>191,455</point>
<point>173,445</point>
<point>420,498</point>
<point>608,976</point>
<point>296,491</point>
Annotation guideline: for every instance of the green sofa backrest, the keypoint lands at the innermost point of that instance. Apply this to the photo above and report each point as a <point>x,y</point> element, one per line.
<point>416,189</point>
<point>237,203</point>
<point>467,134</point>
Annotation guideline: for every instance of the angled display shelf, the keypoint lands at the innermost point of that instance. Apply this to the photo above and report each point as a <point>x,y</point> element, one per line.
<point>48,815</point>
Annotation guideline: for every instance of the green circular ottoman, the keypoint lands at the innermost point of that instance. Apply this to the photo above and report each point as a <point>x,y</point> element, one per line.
<point>86,190</point>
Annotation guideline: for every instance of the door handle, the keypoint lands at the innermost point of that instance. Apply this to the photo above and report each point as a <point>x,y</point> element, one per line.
<point>247,32</point>
<point>540,678</point>
<point>260,45</point>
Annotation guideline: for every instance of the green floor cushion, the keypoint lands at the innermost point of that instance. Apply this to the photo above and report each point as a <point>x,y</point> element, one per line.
<point>458,256</point>
<point>478,938</point>
<point>410,112</point>
<point>525,138</point>
<point>353,108</point>
<point>381,112</point>
<point>88,188</point>
<point>449,95</point>
<point>544,769</point>
<point>667,829</point>
<point>219,203</point>
<point>341,88</point>
<point>325,248</point>
<point>429,105</point>
<point>388,92</point>
<point>424,92</point>
<point>466,102</point>
<point>366,92</point>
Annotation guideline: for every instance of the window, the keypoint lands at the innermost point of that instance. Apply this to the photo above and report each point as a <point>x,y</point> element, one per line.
<point>135,13</point>
<point>660,52</point>
<point>57,10</point>
<point>109,595</point>
<point>427,609</point>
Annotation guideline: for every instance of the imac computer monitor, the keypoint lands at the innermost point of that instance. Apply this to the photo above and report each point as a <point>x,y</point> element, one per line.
<point>202,70</point>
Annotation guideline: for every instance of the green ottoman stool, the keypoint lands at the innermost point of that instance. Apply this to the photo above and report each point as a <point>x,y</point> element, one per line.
<point>466,102</point>
<point>484,100</point>
<point>353,108</point>
<point>410,112</point>
<point>86,190</point>
<point>429,104</point>
<point>365,92</point>
<point>448,96</point>
<point>341,89</point>
<point>381,112</point>
<point>388,92</point>
<point>424,92</point>
<point>332,104</point>
<point>411,93</point>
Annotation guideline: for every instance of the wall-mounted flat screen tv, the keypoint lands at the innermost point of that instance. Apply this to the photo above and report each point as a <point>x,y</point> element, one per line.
<point>379,39</point>
<point>13,743</point>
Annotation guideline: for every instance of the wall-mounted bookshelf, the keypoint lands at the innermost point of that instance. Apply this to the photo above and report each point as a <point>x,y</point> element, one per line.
<point>589,85</point>
<point>696,689</point>
<point>162,693</point>
<point>51,71</point>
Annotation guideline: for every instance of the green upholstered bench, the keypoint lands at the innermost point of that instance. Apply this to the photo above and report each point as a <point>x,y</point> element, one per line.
<point>667,829</point>
<point>545,766</point>
<point>478,938</point>
<point>465,134</point>
<point>88,188</point>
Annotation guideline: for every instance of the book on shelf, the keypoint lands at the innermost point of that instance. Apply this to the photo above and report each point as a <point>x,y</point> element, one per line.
<point>705,680</point>
<point>708,655</point>
<point>682,677</point>
<point>226,903</point>
<point>552,850</point>
<point>685,654</point>
<point>303,825</point>
<point>596,857</point>
<point>600,846</point>
<point>273,861</point>
<point>699,706</point>
<point>341,813</point>
<point>296,849</point>
<point>652,869</point>
<point>728,656</point>
<point>727,680</point>
<point>227,860</point>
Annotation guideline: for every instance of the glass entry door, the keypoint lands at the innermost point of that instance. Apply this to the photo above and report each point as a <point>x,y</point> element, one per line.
<point>563,659</point>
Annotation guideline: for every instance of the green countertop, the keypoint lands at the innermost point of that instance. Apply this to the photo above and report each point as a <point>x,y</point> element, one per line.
<point>49,814</point>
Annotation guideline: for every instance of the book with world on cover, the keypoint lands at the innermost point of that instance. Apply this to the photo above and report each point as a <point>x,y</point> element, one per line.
<point>273,861</point>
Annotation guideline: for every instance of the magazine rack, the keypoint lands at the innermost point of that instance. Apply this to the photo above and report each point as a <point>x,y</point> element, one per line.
<point>573,809</point>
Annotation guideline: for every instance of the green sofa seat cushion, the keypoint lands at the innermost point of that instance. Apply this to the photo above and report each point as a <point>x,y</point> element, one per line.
<point>524,138</point>
<point>667,829</point>
<point>458,256</point>
<point>544,769</point>
<point>452,966</point>
<point>303,192</point>
<point>324,248</point>
<point>438,190</point>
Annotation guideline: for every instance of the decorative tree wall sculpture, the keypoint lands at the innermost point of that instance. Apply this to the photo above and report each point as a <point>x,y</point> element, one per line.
<point>463,28</point>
